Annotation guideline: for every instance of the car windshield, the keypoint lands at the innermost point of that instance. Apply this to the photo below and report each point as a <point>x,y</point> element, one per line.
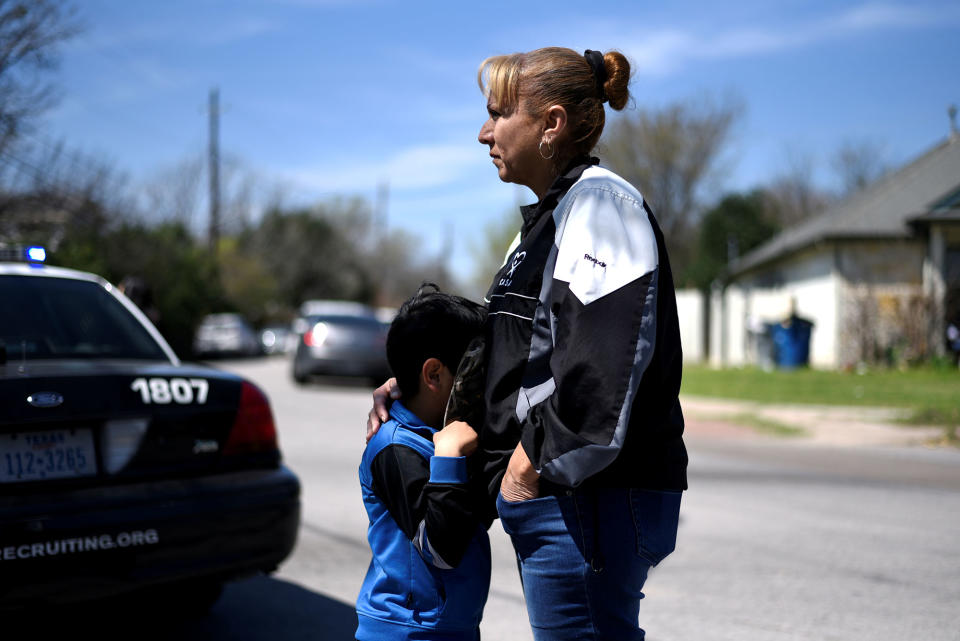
<point>222,322</point>
<point>354,322</point>
<point>46,318</point>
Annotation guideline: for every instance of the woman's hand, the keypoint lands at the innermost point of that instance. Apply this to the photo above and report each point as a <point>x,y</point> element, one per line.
<point>521,481</point>
<point>456,439</point>
<point>382,397</point>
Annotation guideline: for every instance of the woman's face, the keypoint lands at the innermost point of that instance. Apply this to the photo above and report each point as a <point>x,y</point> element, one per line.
<point>513,139</point>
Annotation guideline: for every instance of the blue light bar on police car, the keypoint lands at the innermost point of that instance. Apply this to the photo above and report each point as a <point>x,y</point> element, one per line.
<point>36,254</point>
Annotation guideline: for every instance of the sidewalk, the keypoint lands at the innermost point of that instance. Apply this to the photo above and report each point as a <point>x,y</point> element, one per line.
<point>822,424</point>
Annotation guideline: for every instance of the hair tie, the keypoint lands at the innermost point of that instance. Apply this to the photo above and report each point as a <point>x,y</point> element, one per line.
<point>595,58</point>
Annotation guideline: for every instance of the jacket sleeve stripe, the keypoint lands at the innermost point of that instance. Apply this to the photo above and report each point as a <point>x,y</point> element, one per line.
<point>511,314</point>
<point>511,294</point>
<point>528,397</point>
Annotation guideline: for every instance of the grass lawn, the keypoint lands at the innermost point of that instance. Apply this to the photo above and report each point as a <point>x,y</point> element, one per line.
<point>933,394</point>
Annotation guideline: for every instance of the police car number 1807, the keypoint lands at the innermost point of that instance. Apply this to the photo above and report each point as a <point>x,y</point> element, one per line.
<point>162,391</point>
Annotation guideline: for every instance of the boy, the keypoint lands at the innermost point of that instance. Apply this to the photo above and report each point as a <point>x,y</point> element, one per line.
<point>430,571</point>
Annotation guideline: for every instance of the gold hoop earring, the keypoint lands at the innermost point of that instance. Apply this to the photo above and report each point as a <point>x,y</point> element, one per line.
<point>549,148</point>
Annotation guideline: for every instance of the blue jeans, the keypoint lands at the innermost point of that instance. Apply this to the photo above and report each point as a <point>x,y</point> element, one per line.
<point>584,556</point>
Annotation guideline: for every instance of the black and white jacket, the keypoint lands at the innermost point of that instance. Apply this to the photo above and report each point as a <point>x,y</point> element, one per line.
<point>585,359</point>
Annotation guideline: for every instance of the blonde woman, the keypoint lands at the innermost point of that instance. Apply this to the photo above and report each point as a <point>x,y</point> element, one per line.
<point>582,442</point>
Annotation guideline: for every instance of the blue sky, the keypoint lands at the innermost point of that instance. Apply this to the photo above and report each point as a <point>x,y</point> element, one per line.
<point>333,98</point>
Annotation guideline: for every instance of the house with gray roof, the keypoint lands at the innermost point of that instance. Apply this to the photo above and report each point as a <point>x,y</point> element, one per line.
<point>878,274</point>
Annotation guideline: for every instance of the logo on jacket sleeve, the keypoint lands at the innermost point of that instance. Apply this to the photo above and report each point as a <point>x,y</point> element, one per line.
<point>595,261</point>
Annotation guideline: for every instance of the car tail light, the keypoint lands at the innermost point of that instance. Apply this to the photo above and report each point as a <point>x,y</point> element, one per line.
<point>317,335</point>
<point>253,430</point>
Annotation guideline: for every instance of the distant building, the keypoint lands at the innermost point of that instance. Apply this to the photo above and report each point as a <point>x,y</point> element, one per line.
<point>878,274</point>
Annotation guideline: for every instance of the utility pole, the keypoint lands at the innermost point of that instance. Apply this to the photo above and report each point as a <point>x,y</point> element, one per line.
<point>380,211</point>
<point>214,235</point>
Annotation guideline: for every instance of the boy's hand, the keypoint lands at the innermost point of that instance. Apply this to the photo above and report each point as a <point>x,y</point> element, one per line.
<point>382,397</point>
<point>456,439</point>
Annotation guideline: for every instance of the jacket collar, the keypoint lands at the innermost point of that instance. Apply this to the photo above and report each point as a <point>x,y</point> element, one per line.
<point>571,174</point>
<point>400,413</point>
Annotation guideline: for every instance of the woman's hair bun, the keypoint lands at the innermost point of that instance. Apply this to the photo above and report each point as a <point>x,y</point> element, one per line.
<point>618,77</point>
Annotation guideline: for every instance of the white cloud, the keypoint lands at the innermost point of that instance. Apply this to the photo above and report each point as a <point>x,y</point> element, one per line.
<point>236,30</point>
<point>660,53</point>
<point>422,167</point>
<point>319,4</point>
<point>665,51</point>
<point>121,43</point>
<point>879,16</point>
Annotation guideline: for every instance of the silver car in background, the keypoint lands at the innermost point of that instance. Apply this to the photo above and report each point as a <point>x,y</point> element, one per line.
<point>225,335</point>
<point>277,339</point>
<point>338,338</point>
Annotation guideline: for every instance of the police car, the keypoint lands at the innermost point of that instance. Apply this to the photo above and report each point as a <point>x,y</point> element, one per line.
<point>120,466</point>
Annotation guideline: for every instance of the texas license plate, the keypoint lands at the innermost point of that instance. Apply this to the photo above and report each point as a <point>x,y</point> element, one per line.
<point>52,454</point>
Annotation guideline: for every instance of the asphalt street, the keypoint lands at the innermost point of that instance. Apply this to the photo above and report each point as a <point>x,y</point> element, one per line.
<point>779,539</point>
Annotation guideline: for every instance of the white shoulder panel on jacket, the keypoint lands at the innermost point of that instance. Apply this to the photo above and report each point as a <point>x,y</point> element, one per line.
<point>604,235</point>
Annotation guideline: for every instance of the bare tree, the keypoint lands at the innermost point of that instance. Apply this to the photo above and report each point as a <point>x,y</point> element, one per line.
<point>858,163</point>
<point>30,33</point>
<point>179,193</point>
<point>174,194</point>
<point>881,327</point>
<point>240,201</point>
<point>792,196</point>
<point>49,187</point>
<point>672,154</point>
<point>399,268</point>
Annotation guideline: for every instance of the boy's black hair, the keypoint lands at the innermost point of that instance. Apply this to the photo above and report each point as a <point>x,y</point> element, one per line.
<point>431,324</point>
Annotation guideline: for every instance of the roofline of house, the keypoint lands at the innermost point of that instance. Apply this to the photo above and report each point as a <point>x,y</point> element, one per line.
<point>935,216</point>
<point>751,261</point>
<point>736,269</point>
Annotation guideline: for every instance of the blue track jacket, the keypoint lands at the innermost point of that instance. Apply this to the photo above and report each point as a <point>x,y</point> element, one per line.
<point>411,591</point>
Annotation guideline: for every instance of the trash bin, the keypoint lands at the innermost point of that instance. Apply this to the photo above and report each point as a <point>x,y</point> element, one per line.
<point>791,342</point>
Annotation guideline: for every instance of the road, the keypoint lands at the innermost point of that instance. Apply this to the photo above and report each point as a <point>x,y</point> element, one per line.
<point>779,539</point>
